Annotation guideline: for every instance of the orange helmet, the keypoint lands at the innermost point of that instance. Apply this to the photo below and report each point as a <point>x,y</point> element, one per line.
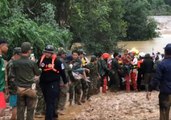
<point>105,55</point>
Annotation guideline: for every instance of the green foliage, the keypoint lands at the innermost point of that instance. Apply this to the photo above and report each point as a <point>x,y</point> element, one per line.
<point>3,8</point>
<point>140,27</point>
<point>47,14</point>
<point>167,2</point>
<point>160,7</point>
<point>97,23</point>
<point>17,28</point>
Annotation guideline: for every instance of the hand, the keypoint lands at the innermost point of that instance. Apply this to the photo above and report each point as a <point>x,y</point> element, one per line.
<point>148,95</point>
<point>36,78</point>
<point>7,91</point>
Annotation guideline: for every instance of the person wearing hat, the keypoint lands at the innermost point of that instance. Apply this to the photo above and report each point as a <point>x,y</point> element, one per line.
<point>23,72</point>
<point>63,89</point>
<point>3,50</point>
<point>52,70</point>
<point>162,78</point>
<point>11,82</point>
<point>94,77</point>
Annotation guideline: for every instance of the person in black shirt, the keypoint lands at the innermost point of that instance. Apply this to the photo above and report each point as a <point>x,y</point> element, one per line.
<point>147,69</point>
<point>52,70</point>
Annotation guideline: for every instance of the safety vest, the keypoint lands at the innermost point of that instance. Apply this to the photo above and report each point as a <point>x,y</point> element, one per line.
<point>52,66</point>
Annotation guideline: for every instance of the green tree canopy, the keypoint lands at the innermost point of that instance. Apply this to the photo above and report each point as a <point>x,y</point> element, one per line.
<point>17,27</point>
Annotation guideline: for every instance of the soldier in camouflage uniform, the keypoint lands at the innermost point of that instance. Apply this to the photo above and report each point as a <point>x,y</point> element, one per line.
<point>94,77</point>
<point>63,89</point>
<point>85,83</point>
<point>11,83</point>
<point>75,86</point>
<point>40,108</point>
<point>85,88</point>
<point>74,89</point>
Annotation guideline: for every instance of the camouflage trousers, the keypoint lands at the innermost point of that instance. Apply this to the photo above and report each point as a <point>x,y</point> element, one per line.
<point>75,89</point>
<point>85,88</point>
<point>95,85</point>
<point>25,102</point>
<point>40,108</point>
<point>62,98</point>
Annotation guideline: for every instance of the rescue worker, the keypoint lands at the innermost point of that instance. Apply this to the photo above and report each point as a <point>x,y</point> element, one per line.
<point>24,71</point>
<point>162,78</point>
<point>76,83</point>
<point>85,84</point>
<point>140,74</point>
<point>11,83</point>
<point>126,60</point>
<point>103,69</point>
<point>114,76</point>
<point>133,73</point>
<point>94,77</point>
<point>147,67</point>
<point>52,70</point>
<point>40,107</point>
<point>3,50</point>
<point>63,88</point>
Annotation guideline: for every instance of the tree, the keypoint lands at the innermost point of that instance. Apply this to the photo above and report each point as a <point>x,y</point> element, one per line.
<point>159,7</point>
<point>167,2</point>
<point>18,27</point>
<point>140,26</point>
<point>96,23</point>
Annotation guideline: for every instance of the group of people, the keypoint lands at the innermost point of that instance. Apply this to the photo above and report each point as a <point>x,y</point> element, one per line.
<point>41,86</point>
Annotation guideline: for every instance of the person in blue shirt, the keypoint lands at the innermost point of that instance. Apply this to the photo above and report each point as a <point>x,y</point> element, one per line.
<point>162,78</point>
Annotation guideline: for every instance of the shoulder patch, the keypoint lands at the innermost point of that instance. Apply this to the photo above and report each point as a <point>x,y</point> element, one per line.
<point>62,66</point>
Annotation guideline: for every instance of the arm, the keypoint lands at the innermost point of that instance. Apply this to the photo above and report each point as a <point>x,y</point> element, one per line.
<point>155,81</point>
<point>36,69</point>
<point>104,66</point>
<point>62,73</point>
<point>157,78</point>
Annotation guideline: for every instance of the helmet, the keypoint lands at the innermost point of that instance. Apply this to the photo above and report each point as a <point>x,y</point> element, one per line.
<point>105,55</point>
<point>49,49</point>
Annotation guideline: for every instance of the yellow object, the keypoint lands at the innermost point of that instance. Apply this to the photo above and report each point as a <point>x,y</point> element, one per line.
<point>134,50</point>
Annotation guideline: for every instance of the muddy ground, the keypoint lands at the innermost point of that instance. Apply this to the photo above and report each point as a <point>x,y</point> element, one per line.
<point>112,106</point>
<point>121,106</point>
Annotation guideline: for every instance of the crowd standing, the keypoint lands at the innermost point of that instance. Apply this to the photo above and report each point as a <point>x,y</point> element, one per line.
<point>40,87</point>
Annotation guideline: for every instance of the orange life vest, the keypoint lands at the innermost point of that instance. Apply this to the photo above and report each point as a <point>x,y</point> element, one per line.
<point>52,67</point>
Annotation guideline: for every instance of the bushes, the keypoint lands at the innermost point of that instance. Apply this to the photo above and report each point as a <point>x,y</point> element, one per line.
<point>17,28</point>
